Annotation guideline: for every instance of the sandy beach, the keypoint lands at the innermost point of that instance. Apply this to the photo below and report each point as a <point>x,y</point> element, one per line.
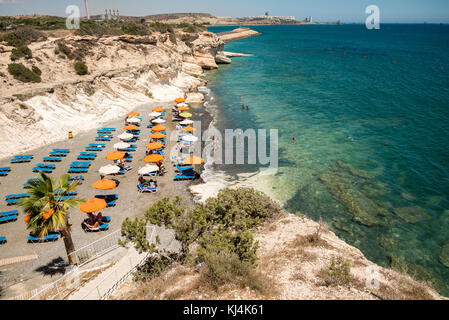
<point>130,203</point>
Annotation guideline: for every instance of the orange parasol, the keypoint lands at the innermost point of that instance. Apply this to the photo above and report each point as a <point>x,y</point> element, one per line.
<point>155,145</point>
<point>104,184</point>
<point>183,108</point>
<point>157,135</point>
<point>48,214</point>
<point>130,127</point>
<point>193,160</point>
<point>180,100</point>
<point>188,128</point>
<point>133,114</point>
<point>93,205</point>
<point>153,158</point>
<point>115,155</point>
<point>158,128</point>
<point>158,109</point>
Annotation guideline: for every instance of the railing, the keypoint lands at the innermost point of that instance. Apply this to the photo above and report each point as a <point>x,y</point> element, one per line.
<point>97,248</point>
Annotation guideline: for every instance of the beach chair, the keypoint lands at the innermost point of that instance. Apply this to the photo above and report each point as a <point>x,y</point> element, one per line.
<point>49,237</point>
<point>9,213</point>
<point>58,154</point>
<point>62,150</point>
<point>102,139</point>
<point>3,240</point>
<point>79,166</point>
<point>102,227</point>
<point>29,181</point>
<point>85,157</point>
<point>97,145</point>
<point>91,148</point>
<point>17,196</point>
<point>44,165</point>
<point>78,179</point>
<point>25,156</point>
<point>64,198</point>
<point>68,193</point>
<point>111,199</point>
<point>8,219</point>
<point>3,173</point>
<point>183,169</point>
<point>77,170</point>
<point>20,160</point>
<point>41,169</point>
<point>110,129</point>
<point>189,175</point>
<point>52,159</point>
<point>143,189</point>
<point>5,169</point>
<point>84,153</point>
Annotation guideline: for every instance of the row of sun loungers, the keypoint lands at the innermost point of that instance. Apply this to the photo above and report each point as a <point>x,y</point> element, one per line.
<point>22,159</point>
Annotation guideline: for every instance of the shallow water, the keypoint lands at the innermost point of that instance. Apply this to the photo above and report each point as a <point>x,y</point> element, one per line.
<point>369,111</point>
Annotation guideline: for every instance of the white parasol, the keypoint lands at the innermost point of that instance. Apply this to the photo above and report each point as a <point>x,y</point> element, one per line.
<point>148,169</point>
<point>109,169</point>
<point>125,136</point>
<point>121,145</point>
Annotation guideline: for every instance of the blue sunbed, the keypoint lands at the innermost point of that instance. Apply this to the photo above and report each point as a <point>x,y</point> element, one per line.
<point>52,159</point>
<point>40,169</point>
<point>64,198</point>
<point>9,213</point>
<point>102,227</point>
<point>4,173</point>
<point>20,160</point>
<point>58,154</point>
<point>111,199</point>
<point>5,169</point>
<point>91,148</point>
<point>62,150</point>
<point>85,157</point>
<point>17,196</point>
<point>97,145</point>
<point>44,165</point>
<point>79,165</point>
<point>2,240</point>
<point>77,170</point>
<point>8,219</point>
<point>68,193</point>
<point>143,189</point>
<point>28,156</point>
<point>84,153</point>
<point>182,169</point>
<point>184,177</point>
<point>102,139</point>
<point>77,178</point>
<point>48,237</point>
<point>106,128</point>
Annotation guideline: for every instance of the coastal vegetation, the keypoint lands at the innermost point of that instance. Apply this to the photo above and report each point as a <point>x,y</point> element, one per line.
<point>80,68</point>
<point>22,73</point>
<point>21,52</point>
<point>22,36</point>
<point>46,210</point>
<point>217,234</point>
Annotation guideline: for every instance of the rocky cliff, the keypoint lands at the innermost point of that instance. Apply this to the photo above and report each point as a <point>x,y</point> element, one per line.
<point>123,72</point>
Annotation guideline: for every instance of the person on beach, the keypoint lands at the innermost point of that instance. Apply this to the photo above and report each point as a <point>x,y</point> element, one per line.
<point>99,217</point>
<point>143,182</point>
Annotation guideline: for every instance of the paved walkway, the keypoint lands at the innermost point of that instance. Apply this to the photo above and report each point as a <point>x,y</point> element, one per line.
<point>100,285</point>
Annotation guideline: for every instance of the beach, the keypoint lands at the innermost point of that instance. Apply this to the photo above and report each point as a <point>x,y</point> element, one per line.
<point>130,203</point>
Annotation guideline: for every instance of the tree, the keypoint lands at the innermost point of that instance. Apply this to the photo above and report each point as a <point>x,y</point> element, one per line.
<point>47,211</point>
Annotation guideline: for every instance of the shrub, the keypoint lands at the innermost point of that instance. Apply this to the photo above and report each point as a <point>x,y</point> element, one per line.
<point>153,267</point>
<point>36,70</point>
<point>22,36</point>
<point>22,73</point>
<point>80,68</point>
<point>129,27</point>
<point>21,52</point>
<point>63,48</point>
<point>338,273</point>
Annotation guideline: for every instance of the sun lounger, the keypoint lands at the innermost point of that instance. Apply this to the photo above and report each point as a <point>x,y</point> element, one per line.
<point>110,129</point>
<point>184,177</point>
<point>9,213</point>
<point>46,165</point>
<point>111,199</point>
<point>143,189</point>
<point>97,145</point>
<point>4,173</point>
<point>182,169</point>
<point>77,178</point>
<point>20,160</point>
<point>83,157</point>
<point>79,166</point>
<point>58,154</point>
<point>62,150</point>
<point>47,238</point>
<point>102,227</point>
<point>8,219</point>
<point>68,193</point>
<point>52,159</point>
<point>91,148</point>
<point>2,240</point>
<point>64,198</point>
<point>84,153</point>
<point>29,181</point>
<point>77,170</point>
<point>102,139</point>
<point>130,159</point>
<point>17,196</point>
<point>24,156</point>
<point>5,169</point>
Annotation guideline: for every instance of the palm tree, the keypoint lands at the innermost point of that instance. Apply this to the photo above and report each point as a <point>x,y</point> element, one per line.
<point>47,212</point>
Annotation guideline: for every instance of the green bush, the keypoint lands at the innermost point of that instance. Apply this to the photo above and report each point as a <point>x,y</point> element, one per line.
<point>153,267</point>
<point>22,73</point>
<point>338,273</point>
<point>22,36</point>
<point>36,70</point>
<point>63,48</point>
<point>21,52</point>
<point>129,27</point>
<point>80,68</point>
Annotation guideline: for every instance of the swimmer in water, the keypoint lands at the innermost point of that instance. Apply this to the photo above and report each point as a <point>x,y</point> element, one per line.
<point>243,106</point>
<point>247,107</point>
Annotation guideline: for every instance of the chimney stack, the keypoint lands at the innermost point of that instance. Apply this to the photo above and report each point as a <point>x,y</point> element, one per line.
<point>87,9</point>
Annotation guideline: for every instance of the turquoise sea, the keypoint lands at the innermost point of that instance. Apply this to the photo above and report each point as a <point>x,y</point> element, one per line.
<point>370,113</point>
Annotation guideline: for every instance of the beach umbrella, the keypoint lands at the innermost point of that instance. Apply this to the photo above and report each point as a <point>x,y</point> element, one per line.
<point>109,169</point>
<point>182,105</point>
<point>158,128</point>
<point>189,128</point>
<point>125,136</point>
<point>130,127</point>
<point>180,100</point>
<point>189,138</point>
<point>157,135</point>
<point>158,121</point>
<point>185,115</point>
<point>121,145</point>
<point>115,155</point>
<point>155,114</point>
<point>184,122</point>
<point>104,184</point>
<point>183,108</point>
<point>153,158</point>
<point>154,145</point>
<point>93,205</point>
<point>193,160</point>
<point>148,168</point>
<point>133,120</point>
<point>133,114</point>
<point>158,109</point>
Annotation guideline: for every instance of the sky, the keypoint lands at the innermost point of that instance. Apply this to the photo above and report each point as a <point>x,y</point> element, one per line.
<point>391,11</point>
